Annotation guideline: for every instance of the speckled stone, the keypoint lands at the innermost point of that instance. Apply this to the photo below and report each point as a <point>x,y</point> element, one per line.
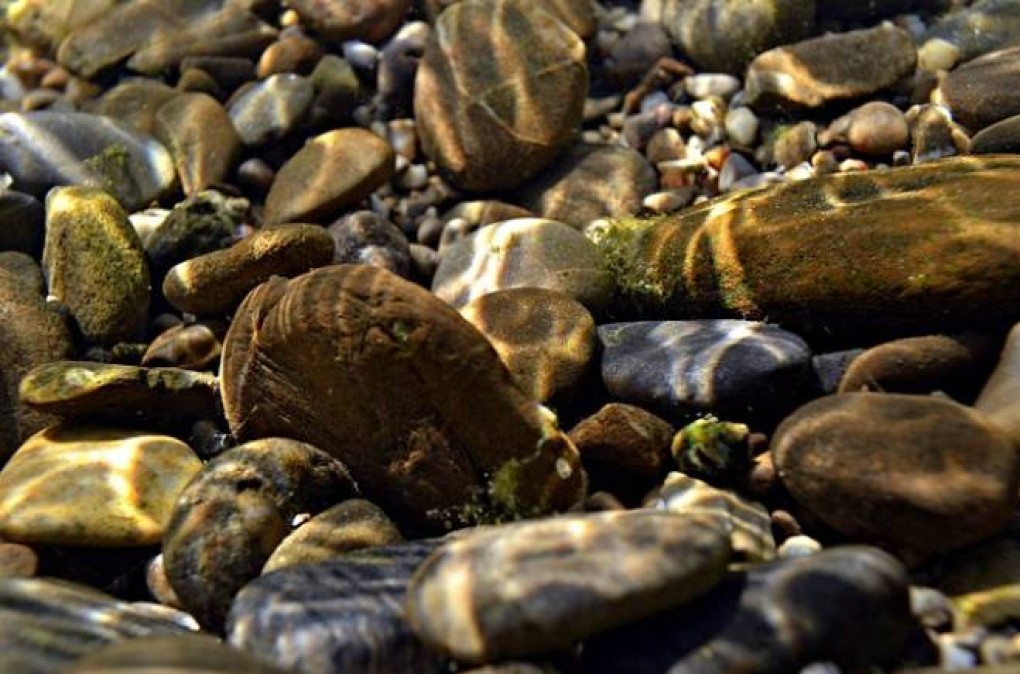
<point>93,486</point>
<point>830,68</point>
<point>739,369</point>
<point>524,253</point>
<point>352,344</point>
<point>835,256</point>
<point>95,265</point>
<point>545,338</point>
<point>46,148</point>
<point>215,283</point>
<point>590,181</point>
<point>567,577</point>
<point>889,469</point>
<point>493,123</point>
<point>48,623</point>
<point>231,517</point>
<point>87,391</point>
<point>330,173</point>
<point>201,138</point>
<point>345,616</point>
<point>179,654</point>
<point>351,525</point>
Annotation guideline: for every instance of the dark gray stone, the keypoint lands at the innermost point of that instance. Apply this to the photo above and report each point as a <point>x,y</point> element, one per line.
<point>364,237</point>
<point>271,109</point>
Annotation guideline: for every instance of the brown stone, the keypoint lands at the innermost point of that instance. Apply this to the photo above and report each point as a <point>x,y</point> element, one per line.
<point>215,283</point>
<point>201,138</point>
<point>493,123</point>
<point>338,21</point>
<point>985,90</point>
<point>414,400</point>
<point>890,469</point>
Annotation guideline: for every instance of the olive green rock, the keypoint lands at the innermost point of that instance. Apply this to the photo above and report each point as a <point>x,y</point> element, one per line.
<point>917,248</point>
<point>95,265</point>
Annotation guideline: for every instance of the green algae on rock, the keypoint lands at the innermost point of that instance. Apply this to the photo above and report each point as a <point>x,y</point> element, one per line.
<point>920,247</point>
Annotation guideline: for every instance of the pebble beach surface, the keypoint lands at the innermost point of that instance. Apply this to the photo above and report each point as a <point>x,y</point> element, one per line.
<point>511,337</point>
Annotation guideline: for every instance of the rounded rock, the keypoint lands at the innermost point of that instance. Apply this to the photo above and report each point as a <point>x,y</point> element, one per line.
<point>215,283</point>
<point>545,338</point>
<point>338,21</point>
<point>524,253</point>
<point>201,138</point>
<point>493,123</point>
<point>93,486</point>
<point>985,90</point>
<point>889,469</point>
<point>330,173</point>
<point>365,237</point>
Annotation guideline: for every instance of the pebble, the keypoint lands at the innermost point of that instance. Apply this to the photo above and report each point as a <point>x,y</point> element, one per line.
<point>17,561</point>
<point>229,519</point>
<point>192,347</point>
<point>981,27</point>
<point>603,569</point>
<point>954,364</point>
<point>332,172</point>
<point>368,20</point>
<point>49,623</point>
<point>364,237</point>
<point>398,65</point>
<point>178,654</point>
<point>524,253</point>
<point>726,35</point>
<point>544,337</point>
<point>895,266</point>
<point>39,336</point>
<point>741,126</point>
<point>875,129</point>
<point>201,139</point>
<point>443,446</point>
<point>636,52</point>
<point>624,449</point>
<point>77,486</point>
<point>845,66</point>
<point>775,617</point>
<point>943,467</point>
<point>731,368</point>
<point>89,392</point>
<point>44,149</point>
<point>344,616</point>
<point>271,109</point>
<point>934,135</point>
<point>292,53</point>
<point>589,182</point>
<point>215,283</point>
<point>349,525</point>
<point>792,145</point>
<point>747,522</point>
<point>1001,137</point>
<point>483,136</point>
<point>156,35</point>
<point>95,265</point>
<point>982,92</point>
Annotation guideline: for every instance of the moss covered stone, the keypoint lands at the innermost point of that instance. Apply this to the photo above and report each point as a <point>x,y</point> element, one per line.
<point>921,247</point>
<point>95,265</point>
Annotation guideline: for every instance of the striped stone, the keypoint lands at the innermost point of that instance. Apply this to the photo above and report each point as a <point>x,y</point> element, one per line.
<point>531,587</point>
<point>340,617</point>
<point>918,247</point>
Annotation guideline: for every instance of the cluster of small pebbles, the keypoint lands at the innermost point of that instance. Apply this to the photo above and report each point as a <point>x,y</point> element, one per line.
<point>506,336</point>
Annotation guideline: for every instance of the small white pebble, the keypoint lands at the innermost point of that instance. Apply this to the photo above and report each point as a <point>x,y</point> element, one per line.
<point>798,546</point>
<point>668,201</point>
<point>704,85</point>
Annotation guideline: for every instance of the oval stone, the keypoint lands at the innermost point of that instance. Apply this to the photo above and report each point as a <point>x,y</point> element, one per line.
<point>327,356</point>
<point>984,91</point>
<point>45,148</point>
<point>889,469</point>
<point>493,123</point>
<point>545,338</point>
<point>95,265</point>
<point>199,135</point>
<point>566,578</point>
<point>215,283</point>
<point>330,173</point>
<point>345,616</point>
<point>93,486</point>
<point>235,512</point>
<point>524,253</point>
